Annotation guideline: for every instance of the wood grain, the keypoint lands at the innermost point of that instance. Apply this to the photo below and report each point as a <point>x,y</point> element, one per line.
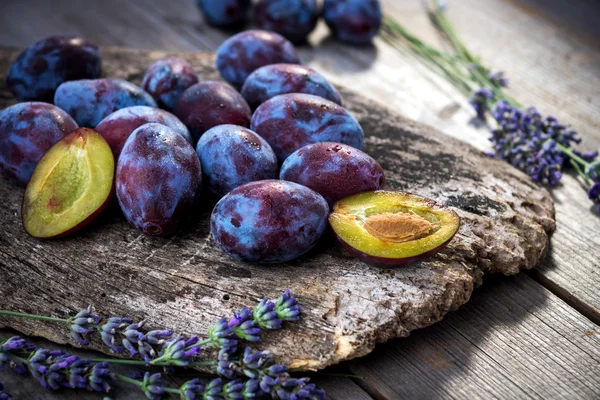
<point>514,339</point>
<point>185,282</point>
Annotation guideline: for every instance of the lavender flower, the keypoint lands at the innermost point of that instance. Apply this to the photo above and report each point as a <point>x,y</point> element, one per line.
<point>39,365</point>
<point>192,390</point>
<point>292,389</point>
<point>83,324</point>
<point>266,316</point>
<point>110,329</point>
<point>233,390</point>
<point>10,352</point>
<point>225,366</point>
<point>4,395</point>
<point>179,351</point>
<point>243,325</point>
<point>253,363</point>
<point>592,171</point>
<point>594,193</point>
<point>152,386</point>
<point>287,307</point>
<point>100,378</point>
<point>213,390</point>
<point>221,335</point>
<point>498,78</point>
<point>252,389</point>
<point>153,338</point>
<point>480,101</point>
<point>132,336</point>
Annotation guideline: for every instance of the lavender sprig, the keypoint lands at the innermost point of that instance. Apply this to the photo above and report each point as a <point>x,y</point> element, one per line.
<point>152,386</point>
<point>265,315</point>
<point>287,307</point>
<point>179,351</point>
<point>243,326</point>
<point>82,325</point>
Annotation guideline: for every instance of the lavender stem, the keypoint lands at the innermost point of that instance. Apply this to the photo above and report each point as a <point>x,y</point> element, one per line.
<point>32,316</point>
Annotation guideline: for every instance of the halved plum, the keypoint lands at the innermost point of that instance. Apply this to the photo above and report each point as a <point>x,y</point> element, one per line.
<point>388,229</point>
<point>70,185</point>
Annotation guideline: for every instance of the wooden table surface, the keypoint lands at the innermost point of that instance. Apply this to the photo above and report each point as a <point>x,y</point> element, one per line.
<point>535,335</point>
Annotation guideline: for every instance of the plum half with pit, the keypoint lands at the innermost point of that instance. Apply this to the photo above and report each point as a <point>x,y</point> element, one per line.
<point>334,170</point>
<point>269,221</point>
<point>70,185</point>
<point>158,179</point>
<point>232,156</point>
<point>388,229</point>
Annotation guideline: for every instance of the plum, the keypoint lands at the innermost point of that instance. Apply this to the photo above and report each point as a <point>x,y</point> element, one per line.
<point>353,21</point>
<point>232,156</point>
<point>43,66</point>
<point>242,54</point>
<point>291,121</point>
<point>225,13</point>
<point>167,79</point>
<point>293,19</point>
<point>27,131</point>
<point>211,103</point>
<point>118,126</point>
<point>70,185</point>
<point>388,229</point>
<point>269,221</point>
<point>333,170</point>
<point>275,79</point>
<point>89,101</point>
<point>158,180</point>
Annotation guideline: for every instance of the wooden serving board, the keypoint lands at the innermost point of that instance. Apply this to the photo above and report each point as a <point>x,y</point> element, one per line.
<point>184,282</point>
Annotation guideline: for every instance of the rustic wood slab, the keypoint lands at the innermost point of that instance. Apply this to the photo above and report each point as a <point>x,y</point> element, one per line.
<point>184,282</point>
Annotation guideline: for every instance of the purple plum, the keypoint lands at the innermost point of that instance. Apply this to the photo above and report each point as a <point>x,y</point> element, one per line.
<point>275,79</point>
<point>291,121</point>
<point>89,101</point>
<point>43,66</point>
<point>232,156</point>
<point>242,54</point>
<point>211,103</point>
<point>118,126</point>
<point>334,170</point>
<point>269,221</point>
<point>158,179</point>
<point>225,13</point>
<point>293,19</point>
<point>167,79</point>
<point>27,131</point>
<point>353,21</point>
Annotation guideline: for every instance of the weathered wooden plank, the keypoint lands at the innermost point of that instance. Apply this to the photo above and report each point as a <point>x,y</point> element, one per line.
<point>514,339</point>
<point>23,387</point>
<point>185,282</point>
<point>548,49</point>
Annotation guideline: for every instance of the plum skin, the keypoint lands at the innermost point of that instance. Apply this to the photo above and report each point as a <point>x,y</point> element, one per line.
<point>353,21</point>
<point>224,12</point>
<point>27,131</point>
<point>210,103</point>
<point>275,79</point>
<point>232,156</point>
<point>289,122</point>
<point>43,66</point>
<point>167,79</point>
<point>118,126</point>
<point>269,221</point>
<point>333,170</point>
<point>293,19</point>
<point>242,54</point>
<point>89,101</point>
<point>158,179</point>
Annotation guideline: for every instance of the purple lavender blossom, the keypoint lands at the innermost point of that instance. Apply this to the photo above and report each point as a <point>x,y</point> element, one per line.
<point>10,352</point>
<point>152,386</point>
<point>266,316</point>
<point>498,78</point>
<point>40,364</point>
<point>243,325</point>
<point>83,324</point>
<point>287,307</point>
<point>192,390</point>
<point>179,351</point>
<point>480,101</point>
<point>233,390</point>
<point>109,330</point>
<point>225,365</point>
<point>221,335</point>
<point>213,390</point>
<point>252,389</point>
<point>594,193</point>
<point>100,378</point>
